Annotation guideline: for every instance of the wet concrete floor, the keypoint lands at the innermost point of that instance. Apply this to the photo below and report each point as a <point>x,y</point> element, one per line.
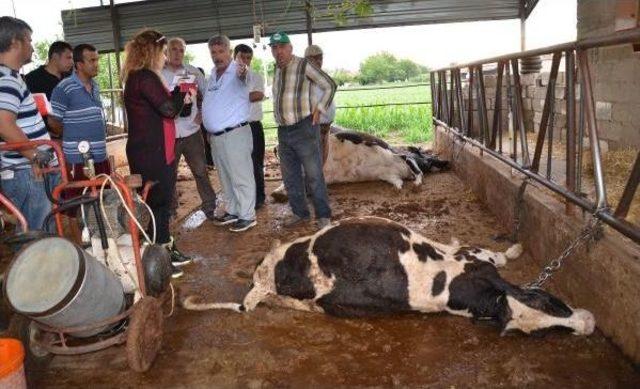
<point>273,347</point>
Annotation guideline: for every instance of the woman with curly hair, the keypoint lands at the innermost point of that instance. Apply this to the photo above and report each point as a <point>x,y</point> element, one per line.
<point>151,108</point>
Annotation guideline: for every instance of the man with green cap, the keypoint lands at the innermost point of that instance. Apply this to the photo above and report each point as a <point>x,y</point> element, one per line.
<point>297,116</point>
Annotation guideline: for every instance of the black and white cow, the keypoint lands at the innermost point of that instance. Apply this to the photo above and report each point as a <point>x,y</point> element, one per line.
<point>357,157</point>
<point>371,266</point>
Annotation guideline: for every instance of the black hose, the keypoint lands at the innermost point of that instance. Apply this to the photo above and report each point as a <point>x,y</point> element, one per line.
<point>65,205</point>
<point>101,229</point>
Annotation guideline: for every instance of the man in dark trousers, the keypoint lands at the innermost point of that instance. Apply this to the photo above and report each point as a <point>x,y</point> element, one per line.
<point>46,77</point>
<point>298,116</point>
<point>244,54</point>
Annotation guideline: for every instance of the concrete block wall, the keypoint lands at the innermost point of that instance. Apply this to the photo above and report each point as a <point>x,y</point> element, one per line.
<point>615,74</point>
<point>618,114</point>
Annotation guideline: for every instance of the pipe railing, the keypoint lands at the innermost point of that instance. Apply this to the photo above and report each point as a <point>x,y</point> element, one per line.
<point>449,108</point>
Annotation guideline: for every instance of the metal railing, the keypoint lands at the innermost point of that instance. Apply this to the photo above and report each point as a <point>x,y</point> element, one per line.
<point>113,108</point>
<point>449,111</point>
<point>114,113</point>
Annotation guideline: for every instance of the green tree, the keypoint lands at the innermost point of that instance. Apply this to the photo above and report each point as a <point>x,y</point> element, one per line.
<point>377,68</point>
<point>342,76</point>
<point>257,64</point>
<point>384,67</point>
<point>406,69</point>
<point>41,50</point>
<point>188,57</point>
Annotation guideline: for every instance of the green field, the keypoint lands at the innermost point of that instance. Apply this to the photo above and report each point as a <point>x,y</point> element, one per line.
<point>398,124</point>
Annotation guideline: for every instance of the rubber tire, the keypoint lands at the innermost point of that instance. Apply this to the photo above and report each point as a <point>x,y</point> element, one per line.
<point>144,335</point>
<point>35,360</point>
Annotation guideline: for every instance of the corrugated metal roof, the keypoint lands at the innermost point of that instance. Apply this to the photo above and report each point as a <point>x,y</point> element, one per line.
<point>197,20</point>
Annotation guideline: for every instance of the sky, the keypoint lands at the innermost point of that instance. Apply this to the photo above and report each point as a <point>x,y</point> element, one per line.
<point>431,45</point>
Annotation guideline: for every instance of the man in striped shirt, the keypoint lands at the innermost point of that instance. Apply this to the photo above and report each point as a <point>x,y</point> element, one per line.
<point>77,115</point>
<point>298,131</point>
<point>20,122</point>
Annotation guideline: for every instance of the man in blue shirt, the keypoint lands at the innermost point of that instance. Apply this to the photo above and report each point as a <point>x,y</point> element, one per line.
<point>77,113</point>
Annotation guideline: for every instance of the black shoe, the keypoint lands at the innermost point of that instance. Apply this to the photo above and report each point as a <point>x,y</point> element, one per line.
<point>242,225</point>
<point>176,272</point>
<point>177,258</point>
<point>211,215</point>
<point>225,219</point>
<point>259,205</point>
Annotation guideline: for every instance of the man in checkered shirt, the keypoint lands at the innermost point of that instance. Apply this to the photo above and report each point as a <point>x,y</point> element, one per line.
<point>298,129</point>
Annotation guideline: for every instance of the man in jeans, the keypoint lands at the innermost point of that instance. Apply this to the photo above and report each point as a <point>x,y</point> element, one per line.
<point>21,122</point>
<point>314,55</point>
<point>244,54</point>
<point>298,133</point>
<point>189,142</point>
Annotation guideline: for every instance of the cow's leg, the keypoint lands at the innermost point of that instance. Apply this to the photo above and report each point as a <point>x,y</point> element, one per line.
<point>253,298</point>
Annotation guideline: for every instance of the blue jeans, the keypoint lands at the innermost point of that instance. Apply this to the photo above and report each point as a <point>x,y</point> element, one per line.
<point>28,194</point>
<point>299,149</point>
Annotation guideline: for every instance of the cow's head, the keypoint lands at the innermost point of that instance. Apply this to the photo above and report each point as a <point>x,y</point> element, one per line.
<point>486,296</point>
<point>534,311</point>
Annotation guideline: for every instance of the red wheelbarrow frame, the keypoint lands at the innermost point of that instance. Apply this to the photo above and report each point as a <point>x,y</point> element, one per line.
<point>146,304</point>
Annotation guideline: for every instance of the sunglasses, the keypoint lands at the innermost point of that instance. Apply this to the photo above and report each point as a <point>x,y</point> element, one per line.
<point>162,39</point>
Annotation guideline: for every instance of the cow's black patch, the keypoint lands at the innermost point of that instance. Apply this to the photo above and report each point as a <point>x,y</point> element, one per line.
<point>438,283</point>
<point>359,137</point>
<point>481,290</point>
<point>466,253</point>
<point>541,301</point>
<point>362,255</point>
<point>426,161</point>
<point>426,251</point>
<point>291,273</point>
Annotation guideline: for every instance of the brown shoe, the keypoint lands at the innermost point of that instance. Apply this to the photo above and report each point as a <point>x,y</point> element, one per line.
<point>295,221</point>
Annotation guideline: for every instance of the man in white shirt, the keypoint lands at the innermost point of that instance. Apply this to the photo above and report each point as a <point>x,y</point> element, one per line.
<point>189,142</point>
<point>225,111</point>
<point>314,54</point>
<point>244,54</point>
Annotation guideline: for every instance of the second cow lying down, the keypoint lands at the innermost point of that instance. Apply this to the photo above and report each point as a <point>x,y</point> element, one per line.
<point>371,266</point>
<point>357,157</point>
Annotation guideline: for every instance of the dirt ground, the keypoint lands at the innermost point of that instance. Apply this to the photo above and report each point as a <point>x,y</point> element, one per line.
<point>281,348</point>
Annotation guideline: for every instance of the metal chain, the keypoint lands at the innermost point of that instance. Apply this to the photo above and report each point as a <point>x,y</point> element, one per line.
<point>455,154</point>
<point>592,231</point>
<point>517,213</point>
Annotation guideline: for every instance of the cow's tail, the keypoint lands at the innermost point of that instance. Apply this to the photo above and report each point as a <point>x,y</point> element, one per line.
<point>514,251</point>
<point>190,303</point>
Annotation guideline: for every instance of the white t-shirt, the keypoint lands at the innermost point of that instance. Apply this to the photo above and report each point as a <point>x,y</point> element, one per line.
<point>185,126</point>
<point>255,82</point>
<point>226,100</point>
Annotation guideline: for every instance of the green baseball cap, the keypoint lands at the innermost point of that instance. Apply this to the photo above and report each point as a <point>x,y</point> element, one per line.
<point>279,38</point>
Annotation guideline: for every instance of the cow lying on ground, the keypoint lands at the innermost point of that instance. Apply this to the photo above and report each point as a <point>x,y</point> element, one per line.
<point>371,266</point>
<point>356,157</point>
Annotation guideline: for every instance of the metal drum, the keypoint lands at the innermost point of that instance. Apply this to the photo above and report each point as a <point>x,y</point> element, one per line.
<point>56,283</point>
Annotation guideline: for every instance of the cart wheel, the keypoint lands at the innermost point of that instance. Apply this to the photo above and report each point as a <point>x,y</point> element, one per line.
<point>144,337</point>
<point>36,358</point>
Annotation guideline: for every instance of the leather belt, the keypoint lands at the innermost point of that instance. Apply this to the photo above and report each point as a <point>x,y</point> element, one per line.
<point>229,129</point>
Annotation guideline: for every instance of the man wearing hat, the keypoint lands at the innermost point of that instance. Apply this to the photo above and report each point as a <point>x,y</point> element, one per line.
<point>297,115</point>
<point>313,54</point>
